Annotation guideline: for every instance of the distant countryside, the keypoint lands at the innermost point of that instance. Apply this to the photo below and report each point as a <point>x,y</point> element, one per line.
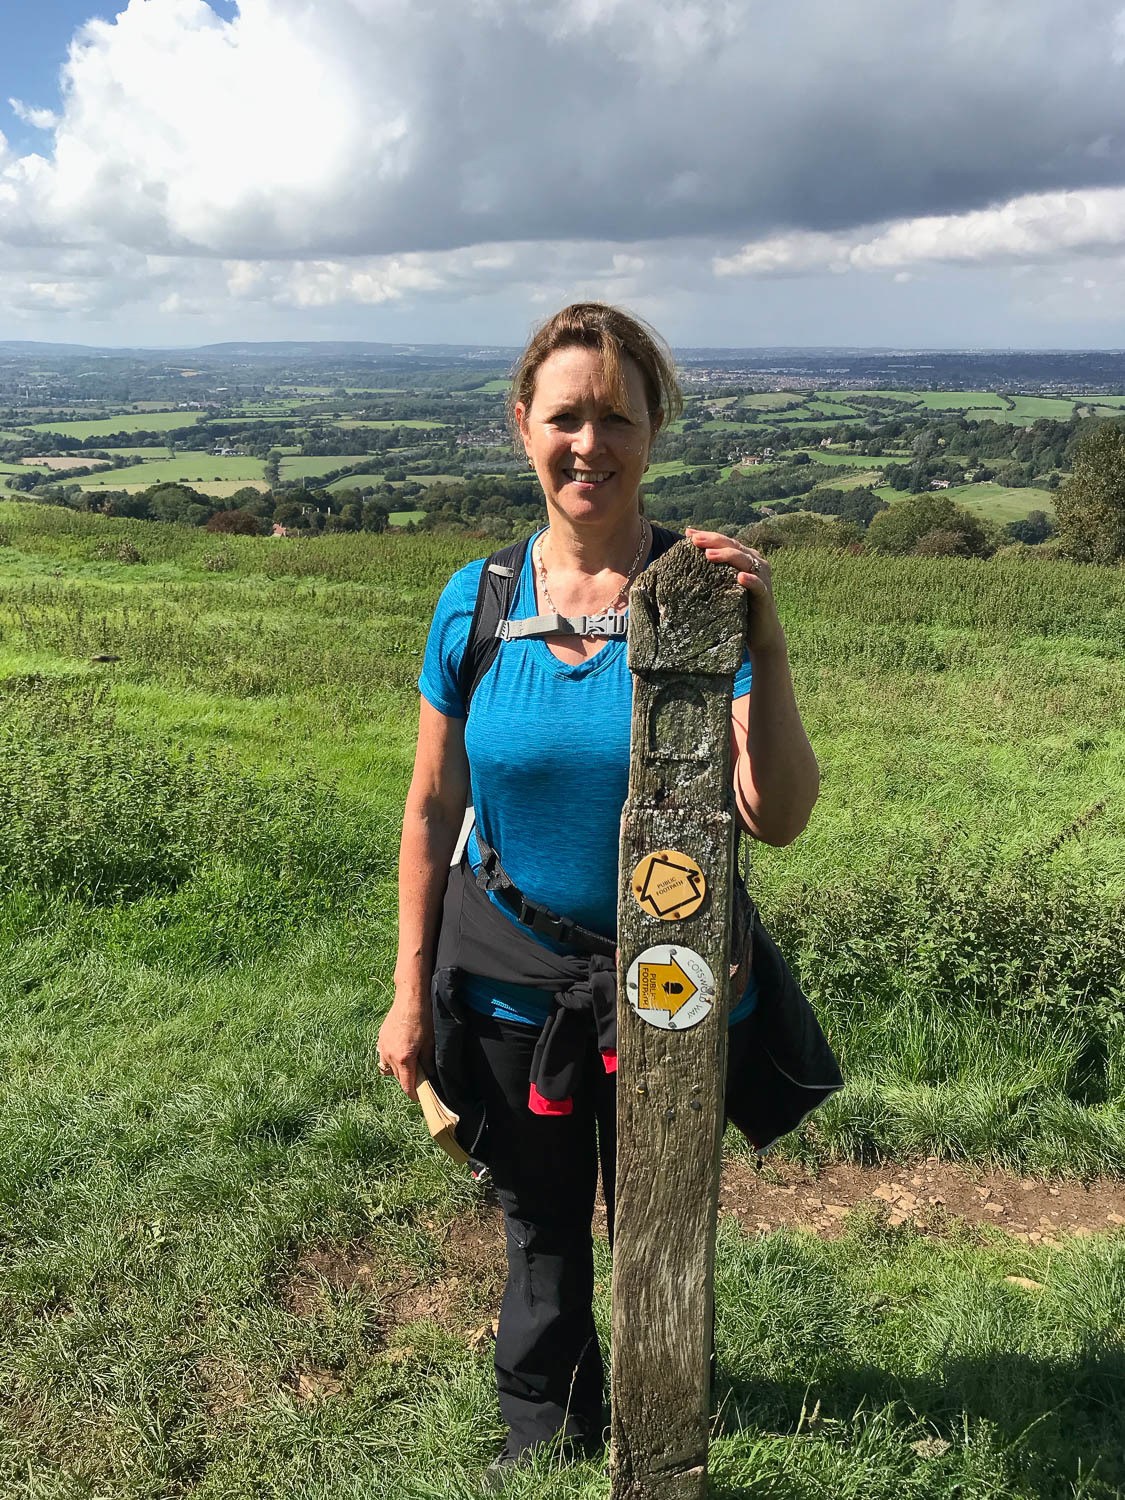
<point>805,448</point>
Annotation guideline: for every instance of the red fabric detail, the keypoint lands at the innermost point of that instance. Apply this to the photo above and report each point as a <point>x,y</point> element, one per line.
<point>609,1062</point>
<point>540,1106</point>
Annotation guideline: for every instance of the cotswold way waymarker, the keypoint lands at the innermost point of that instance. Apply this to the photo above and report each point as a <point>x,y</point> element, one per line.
<point>686,635</point>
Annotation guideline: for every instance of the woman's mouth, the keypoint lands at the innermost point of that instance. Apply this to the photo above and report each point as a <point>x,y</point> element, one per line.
<point>588,476</point>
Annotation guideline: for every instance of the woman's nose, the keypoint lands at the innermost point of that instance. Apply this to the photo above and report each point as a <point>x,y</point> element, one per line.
<point>586,438</point>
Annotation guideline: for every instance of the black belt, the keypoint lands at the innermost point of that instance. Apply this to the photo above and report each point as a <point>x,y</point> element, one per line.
<point>543,922</point>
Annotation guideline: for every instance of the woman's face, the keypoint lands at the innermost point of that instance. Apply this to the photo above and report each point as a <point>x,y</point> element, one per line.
<point>589,453</point>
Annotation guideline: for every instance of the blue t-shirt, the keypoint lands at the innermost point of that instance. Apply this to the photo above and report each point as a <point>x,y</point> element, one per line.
<point>548,750</point>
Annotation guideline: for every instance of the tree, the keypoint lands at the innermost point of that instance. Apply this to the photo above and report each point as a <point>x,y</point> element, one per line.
<point>234,523</point>
<point>900,529</point>
<point>1033,528</point>
<point>375,516</point>
<point>1091,504</point>
<point>170,502</point>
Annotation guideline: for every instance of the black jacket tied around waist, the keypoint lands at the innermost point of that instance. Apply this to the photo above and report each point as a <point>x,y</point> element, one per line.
<point>791,1068</point>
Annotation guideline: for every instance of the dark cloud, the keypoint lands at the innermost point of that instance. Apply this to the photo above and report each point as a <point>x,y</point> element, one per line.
<point>384,126</point>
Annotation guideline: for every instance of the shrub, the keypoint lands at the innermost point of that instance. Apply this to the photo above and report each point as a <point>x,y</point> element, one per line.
<point>234,523</point>
<point>943,543</point>
<point>900,529</point>
<point>117,551</point>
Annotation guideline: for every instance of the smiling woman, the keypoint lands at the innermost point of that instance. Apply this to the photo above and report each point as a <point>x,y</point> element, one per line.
<point>539,743</point>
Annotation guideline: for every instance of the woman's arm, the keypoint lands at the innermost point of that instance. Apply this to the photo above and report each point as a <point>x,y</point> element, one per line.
<point>435,810</point>
<point>776,777</point>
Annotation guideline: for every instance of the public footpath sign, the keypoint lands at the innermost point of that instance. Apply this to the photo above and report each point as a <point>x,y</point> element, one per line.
<point>687,625</point>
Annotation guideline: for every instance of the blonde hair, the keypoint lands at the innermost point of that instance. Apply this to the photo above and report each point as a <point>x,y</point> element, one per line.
<point>616,335</point>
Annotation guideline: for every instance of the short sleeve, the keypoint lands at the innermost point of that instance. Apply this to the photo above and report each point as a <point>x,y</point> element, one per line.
<point>446,642</point>
<point>743,678</point>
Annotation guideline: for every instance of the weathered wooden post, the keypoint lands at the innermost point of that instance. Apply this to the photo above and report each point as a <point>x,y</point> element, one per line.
<point>686,635</point>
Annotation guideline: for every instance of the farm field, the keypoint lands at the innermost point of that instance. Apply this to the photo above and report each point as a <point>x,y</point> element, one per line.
<point>199,470</point>
<point>856,460</point>
<point>385,425</point>
<point>995,502</point>
<point>148,421</point>
<point>312,466</point>
<point>230,1264</point>
<point>767,400</point>
<point>356,481</point>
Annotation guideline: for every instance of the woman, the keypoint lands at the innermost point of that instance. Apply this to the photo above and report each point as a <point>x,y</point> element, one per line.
<point>543,756</point>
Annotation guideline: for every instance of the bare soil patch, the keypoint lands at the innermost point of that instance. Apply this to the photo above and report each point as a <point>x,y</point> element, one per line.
<point>929,1195</point>
<point>461,1290</point>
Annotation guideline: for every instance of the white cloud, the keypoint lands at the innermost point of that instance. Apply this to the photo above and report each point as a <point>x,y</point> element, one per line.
<point>397,126</point>
<point>1036,228</point>
<point>381,155</point>
<point>39,119</point>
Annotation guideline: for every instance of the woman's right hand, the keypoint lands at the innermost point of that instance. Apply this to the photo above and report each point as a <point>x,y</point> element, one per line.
<point>406,1039</point>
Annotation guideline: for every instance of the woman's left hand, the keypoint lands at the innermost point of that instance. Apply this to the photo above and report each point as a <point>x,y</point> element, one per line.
<point>752,571</point>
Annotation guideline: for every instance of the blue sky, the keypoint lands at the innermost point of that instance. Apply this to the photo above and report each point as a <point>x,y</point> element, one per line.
<point>838,172</point>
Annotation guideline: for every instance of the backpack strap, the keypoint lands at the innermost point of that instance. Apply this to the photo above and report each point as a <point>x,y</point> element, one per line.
<point>495,592</point>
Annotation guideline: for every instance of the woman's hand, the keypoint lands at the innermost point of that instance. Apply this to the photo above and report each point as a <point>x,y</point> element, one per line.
<point>752,572</point>
<point>406,1038</point>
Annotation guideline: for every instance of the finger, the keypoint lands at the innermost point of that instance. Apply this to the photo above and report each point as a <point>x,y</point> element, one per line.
<point>709,538</point>
<point>407,1075</point>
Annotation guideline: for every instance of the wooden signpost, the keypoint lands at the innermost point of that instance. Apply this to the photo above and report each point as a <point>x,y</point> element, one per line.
<point>686,635</point>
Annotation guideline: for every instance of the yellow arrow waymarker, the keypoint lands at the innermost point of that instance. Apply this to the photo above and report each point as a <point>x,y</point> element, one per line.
<point>664,987</point>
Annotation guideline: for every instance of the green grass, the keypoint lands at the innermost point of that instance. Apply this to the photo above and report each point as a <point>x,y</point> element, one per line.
<point>311,466</point>
<point>416,423</point>
<point>767,400</point>
<point>958,400</point>
<point>1032,408</point>
<point>357,481</point>
<point>148,421</point>
<point>859,460</point>
<point>404,517</point>
<point>200,470</point>
<point>196,935</point>
<point>996,502</point>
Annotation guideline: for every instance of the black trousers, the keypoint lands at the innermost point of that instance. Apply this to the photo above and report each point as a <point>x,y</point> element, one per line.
<point>549,1373</point>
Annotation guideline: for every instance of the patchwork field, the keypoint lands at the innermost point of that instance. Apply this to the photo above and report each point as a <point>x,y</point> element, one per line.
<point>200,470</point>
<point>147,421</point>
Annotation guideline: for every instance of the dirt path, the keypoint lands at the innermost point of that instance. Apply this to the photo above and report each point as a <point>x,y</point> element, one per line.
<point>929,1194</point>
<point>461,1291</point>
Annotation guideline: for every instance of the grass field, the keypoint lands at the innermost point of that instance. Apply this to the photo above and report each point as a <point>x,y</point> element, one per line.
<point>230,1266</point>
<point>148,421</point>
<point>312,466</point>
<point>856,460</point>
<point>200,470</point>
<point>356,481</point>
<point>413,422</point>
<point>767,400</point>
<point>996,502</point>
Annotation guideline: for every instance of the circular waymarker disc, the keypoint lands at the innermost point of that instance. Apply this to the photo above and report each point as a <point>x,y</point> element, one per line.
<point>668,885</point>
<point>670,987</point>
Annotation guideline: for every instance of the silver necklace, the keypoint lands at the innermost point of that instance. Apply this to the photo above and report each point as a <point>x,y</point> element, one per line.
<point>621,598</point>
